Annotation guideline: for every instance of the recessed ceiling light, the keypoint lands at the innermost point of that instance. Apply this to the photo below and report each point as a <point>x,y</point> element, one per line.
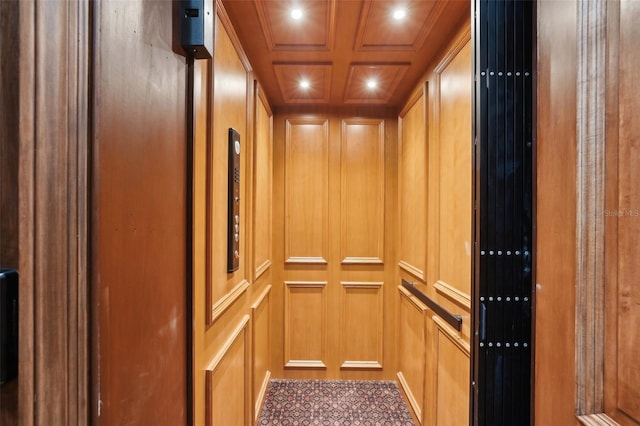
<point>372,83</point>
<point>399,13</point>
<point>296,13</point>
<point>304,84</point>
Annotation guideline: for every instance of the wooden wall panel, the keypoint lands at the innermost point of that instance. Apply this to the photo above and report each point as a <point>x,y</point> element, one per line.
<point>139,223</point>
<point>362,166</point>
<point>412,185</point>
<point>263,188</point>
<point>555,340</point>
<point>229,111</point>
<point>306,191</point>
<point>261,348</point>
<point>622,219</point>
<point>451,402</point>
<point>361,163</point>
<point>412,347</point>
<point>305,324</point>
<point>454,171</point>
<point>227,381</point>
<point>228,389</point>
<point>362,336</point>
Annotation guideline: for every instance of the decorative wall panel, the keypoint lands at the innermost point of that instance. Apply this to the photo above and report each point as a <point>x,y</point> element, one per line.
<point>362,191</point>
<point>413,185</point>
<point>454,164</point>
<point>261,347</point>
<point>263,190</point>
<point>412,347</point>
<point>306,191</point>
<point>305,321</point>
<point>361,327</point>
<point>227,381</point>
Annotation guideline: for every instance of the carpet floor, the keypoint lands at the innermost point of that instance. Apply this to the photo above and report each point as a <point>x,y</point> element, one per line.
<point>334,403</point>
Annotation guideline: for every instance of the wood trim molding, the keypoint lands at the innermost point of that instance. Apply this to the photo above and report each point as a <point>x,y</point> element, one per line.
<point>227,300</point>
<point>597,420</point>
<point>590,278</point>
<point>54,125</point>
<point>460,297</point>
<point>264,296</point>
<point>415,405</point>
<point>305,363</point>
<point>407,267</point>
<point>451,334</point>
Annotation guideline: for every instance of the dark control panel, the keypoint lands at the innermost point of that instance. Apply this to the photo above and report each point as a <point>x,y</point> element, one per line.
<point>8,325</point>
<point>233,224</point>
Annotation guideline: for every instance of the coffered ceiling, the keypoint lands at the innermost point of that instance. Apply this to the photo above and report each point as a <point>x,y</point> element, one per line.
<point>343,52</point>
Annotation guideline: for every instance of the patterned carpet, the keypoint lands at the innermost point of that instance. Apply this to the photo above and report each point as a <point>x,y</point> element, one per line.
<point>334,403</point>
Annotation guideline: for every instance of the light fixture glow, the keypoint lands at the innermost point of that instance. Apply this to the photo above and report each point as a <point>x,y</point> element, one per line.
<point>399,14</point>
<point>296,13</point>
<point>372,83</point>
<point>304,84</point>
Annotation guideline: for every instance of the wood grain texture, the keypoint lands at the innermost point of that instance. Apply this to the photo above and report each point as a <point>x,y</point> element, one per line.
<point>52,130</point>
<point>554,398</point>
<point>413,184</point>
<point>227,380</point>
<point>362,194</point>
<point>362,337</point>
<point>227,94</point>
<point>454,169</point>
<point>452,376</point>
<point>261,348</point>
<point>306,192</point>
<point>305,324</point>
<point>229,110</point>
<point>622,217</point>
<point>139,222</point>
<point>263,185</point>
<point>335,271</point>
<point>412,350</point>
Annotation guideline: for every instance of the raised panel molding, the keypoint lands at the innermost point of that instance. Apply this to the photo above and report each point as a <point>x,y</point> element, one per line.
<point>412,350</point>
<point>362,166</point>
<point>460,297</point>
<point>412,184</point>
<point>362,325</point>
<point>229,371</point>
<point>452,369</point>
<point>227,300</point>
<point>418,273</point>
<point>450,158</point>
<point>261,348</point>
<point>262,183</point>
<point>306,191</point>
<point>305,324</point>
